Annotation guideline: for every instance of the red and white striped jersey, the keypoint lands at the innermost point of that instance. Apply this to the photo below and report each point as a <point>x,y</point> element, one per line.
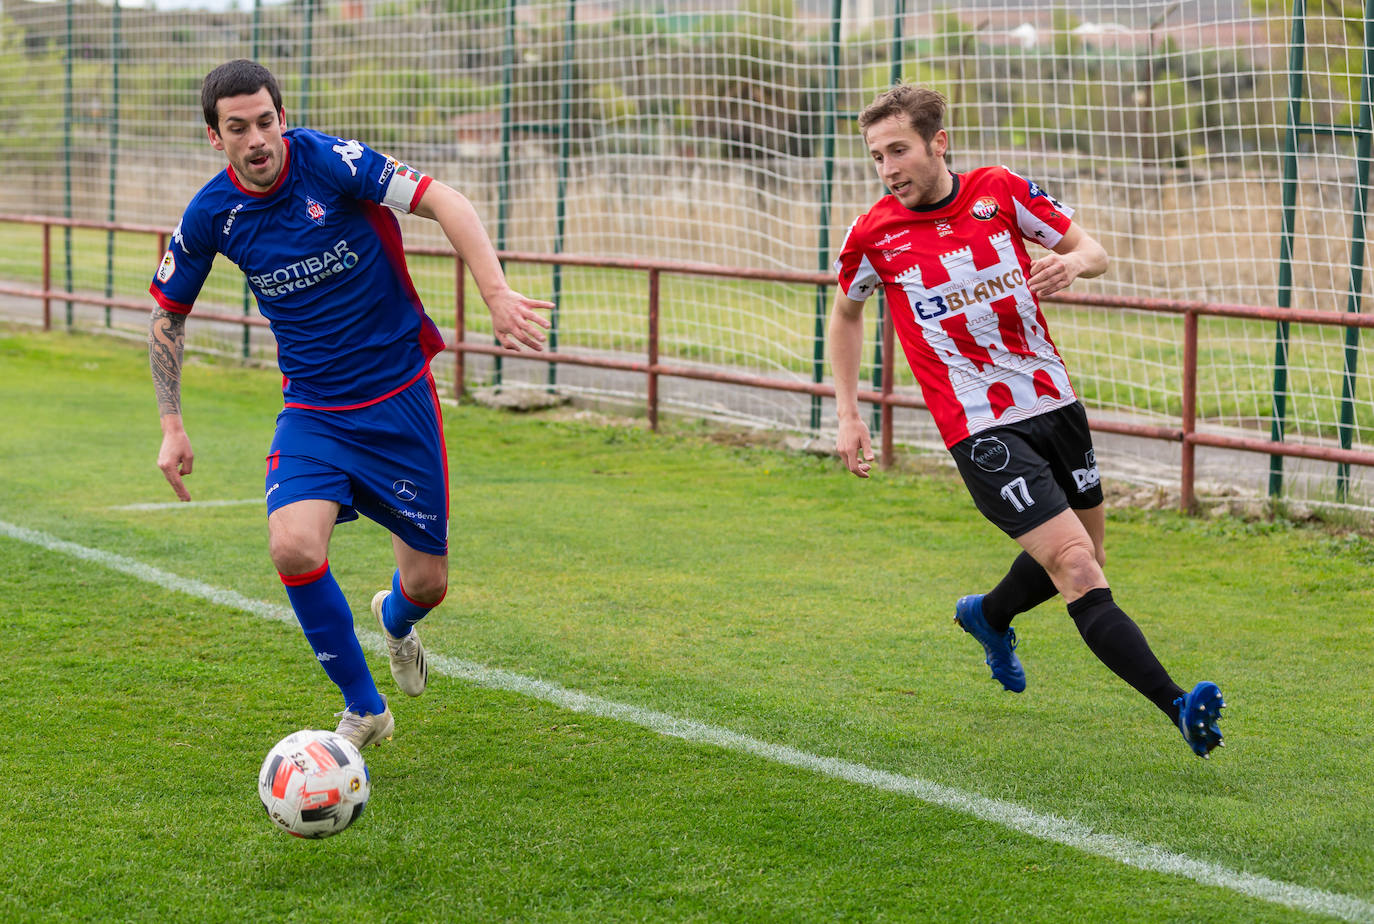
<point>955,279</point>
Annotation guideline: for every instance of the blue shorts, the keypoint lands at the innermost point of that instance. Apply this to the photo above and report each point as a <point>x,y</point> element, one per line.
<point>386,461</point>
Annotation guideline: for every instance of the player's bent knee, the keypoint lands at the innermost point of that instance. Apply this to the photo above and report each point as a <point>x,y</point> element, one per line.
<point>290,556</point>
<point>1075,568</point>
<point>428,590</point>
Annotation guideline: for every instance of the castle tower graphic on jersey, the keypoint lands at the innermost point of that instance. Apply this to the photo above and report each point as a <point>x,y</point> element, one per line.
<point>955,281</point>
<point>323,255</point>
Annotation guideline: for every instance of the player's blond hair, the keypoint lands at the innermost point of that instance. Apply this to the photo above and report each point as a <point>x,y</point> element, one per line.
<point>922,107</point>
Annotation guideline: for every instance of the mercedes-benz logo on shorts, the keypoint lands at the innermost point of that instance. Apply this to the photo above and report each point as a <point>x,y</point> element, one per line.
<point>405,490</point>
<point>990,454</point>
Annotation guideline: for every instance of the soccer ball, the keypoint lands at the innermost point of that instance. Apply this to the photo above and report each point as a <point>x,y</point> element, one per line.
<point>314,783</point>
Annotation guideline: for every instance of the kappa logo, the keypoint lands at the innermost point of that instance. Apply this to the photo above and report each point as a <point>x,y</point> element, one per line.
<point>179,239</point>
<point>315,211</point>
<point>985,209</point>
<point>349,151</point>
<point>325,656</point>
<point>229,222</point>
<point>404,490</point>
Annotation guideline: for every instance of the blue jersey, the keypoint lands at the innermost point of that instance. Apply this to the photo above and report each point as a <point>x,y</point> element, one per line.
<point>325,260</point>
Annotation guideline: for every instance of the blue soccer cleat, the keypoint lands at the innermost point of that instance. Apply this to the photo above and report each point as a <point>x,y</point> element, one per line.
<point>1000,647</point>
<point>1198,712</point>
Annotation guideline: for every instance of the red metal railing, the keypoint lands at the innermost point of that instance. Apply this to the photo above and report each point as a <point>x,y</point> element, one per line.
<point>885,398</point>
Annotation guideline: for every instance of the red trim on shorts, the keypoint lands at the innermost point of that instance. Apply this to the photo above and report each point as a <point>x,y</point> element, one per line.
<point>353,407</point>
<point>443,445</point>
<point>310,577</point>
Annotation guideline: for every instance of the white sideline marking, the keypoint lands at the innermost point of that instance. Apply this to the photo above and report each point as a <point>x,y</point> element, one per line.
<point>1046,827</point>
<point>183,505</point>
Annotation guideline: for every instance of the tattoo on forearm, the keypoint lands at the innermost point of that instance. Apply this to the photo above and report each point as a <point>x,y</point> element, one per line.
<point>166,342</point>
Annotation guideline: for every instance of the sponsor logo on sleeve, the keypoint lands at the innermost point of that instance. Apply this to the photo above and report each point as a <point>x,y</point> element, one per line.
<point>387,170</point>
<point>168,267</point>
<point>985,209</point>
<point>1035,191</point>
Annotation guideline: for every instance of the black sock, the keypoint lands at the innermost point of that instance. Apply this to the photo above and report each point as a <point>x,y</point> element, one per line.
<point>1026,586</point>
<point>1119,644</point>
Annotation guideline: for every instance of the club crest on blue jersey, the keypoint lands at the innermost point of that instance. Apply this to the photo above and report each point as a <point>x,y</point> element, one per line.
<point>315,211</point>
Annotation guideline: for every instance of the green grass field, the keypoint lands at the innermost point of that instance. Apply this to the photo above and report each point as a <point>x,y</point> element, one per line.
<point>780,720</point>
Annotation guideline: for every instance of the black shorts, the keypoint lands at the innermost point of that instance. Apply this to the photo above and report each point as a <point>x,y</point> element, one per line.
<point>1025,473</point>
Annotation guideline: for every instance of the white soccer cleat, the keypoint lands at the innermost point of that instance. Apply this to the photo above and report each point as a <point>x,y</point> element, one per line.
<point>407,655</point>
<point>363,730</point>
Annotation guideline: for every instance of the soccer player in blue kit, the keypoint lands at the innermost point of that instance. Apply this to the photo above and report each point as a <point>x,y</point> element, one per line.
<point>306,217</point>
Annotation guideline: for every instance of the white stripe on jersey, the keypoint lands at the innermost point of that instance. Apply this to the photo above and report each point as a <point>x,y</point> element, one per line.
<point>1034,229</point>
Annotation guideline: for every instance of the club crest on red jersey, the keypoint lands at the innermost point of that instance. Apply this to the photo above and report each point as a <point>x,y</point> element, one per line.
<point>985,209</point>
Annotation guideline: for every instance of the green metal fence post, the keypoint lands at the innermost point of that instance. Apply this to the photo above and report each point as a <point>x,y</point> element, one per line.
<point>68,113</point>
<point>1357,248</point>
<point>564,154</point>
<point>307,57</point>
<point>246,346</point>
<point>503,174</point>
<point>114,153</point>
<point>1296,55</point>
<point>828,178</point>
<point>895,75</point>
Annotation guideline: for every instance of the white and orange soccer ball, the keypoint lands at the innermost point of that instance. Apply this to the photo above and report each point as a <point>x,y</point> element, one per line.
<point>314,783</point>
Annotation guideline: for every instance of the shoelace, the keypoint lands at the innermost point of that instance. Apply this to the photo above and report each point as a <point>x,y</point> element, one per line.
<point>404,648</point>
<point>351,719</point>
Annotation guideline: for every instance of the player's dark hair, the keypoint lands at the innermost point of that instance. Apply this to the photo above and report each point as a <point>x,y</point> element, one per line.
<point>240,77</point>
<point>922,107</point>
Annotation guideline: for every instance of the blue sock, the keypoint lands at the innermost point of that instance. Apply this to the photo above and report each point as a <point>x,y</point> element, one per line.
<point>399,612</point>
<point>328,623</point>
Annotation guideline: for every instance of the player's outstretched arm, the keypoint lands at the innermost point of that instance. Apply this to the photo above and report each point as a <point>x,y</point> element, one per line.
<point>846,337</point>
<point>515,318</point>
<point>166,344</point>
<point>1077,254</point>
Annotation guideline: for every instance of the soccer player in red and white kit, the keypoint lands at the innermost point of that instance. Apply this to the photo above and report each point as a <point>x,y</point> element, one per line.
<point>947,249</point>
